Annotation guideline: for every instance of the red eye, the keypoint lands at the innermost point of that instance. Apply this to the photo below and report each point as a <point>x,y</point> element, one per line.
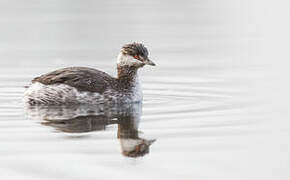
<point>136,57</point>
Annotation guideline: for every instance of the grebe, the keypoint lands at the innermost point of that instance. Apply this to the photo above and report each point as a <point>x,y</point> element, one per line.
<point>82,85</point>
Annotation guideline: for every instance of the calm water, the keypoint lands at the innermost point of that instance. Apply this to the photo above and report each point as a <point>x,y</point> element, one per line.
<point>215,106</point>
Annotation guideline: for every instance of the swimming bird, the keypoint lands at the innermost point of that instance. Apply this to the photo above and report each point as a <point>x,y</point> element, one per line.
<point>83,85</point>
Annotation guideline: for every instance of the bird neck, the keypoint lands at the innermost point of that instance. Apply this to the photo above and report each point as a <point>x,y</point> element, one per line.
<point>127,75</point>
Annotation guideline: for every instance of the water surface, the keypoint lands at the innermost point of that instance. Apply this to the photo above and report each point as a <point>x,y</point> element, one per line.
<point>213,107</point>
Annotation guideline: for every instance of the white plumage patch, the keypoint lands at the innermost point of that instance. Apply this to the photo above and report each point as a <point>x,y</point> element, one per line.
<point>137,90</point>
<point>127,60</point>
<point>39,93</point>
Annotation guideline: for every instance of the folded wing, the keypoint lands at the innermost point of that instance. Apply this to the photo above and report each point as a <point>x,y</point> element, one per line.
<point>82,78</point>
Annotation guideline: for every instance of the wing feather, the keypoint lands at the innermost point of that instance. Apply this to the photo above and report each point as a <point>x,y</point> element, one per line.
<point>82,78</point>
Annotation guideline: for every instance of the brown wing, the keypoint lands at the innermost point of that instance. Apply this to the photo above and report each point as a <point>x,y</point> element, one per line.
<point>82,78</point>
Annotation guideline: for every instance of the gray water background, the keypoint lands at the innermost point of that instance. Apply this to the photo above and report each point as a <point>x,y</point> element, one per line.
<point>216,103</point>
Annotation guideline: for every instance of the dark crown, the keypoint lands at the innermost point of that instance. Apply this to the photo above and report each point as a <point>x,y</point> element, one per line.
<point>135,49</point>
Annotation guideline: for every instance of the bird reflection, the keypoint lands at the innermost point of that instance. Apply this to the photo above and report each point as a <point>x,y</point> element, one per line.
<point>87,118</point>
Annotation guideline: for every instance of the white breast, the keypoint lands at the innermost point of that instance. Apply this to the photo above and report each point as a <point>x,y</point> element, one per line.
<point>137,90</point>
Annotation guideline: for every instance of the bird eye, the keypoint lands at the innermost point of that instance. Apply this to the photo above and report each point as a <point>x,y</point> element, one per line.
<point>137,57</point>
